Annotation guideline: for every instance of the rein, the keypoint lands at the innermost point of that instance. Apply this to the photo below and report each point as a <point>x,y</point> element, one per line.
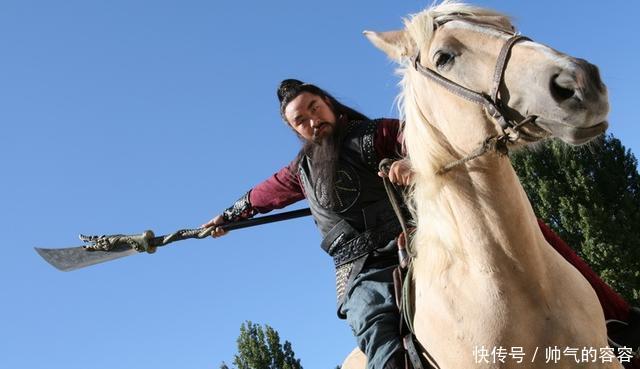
<point>491,104</point>
<point>402,276</point>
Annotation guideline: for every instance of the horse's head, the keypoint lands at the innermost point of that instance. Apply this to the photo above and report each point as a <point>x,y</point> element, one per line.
<point>562,95</point>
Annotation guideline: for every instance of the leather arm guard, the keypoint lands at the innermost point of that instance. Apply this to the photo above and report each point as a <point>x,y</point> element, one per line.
<point>241,209</point>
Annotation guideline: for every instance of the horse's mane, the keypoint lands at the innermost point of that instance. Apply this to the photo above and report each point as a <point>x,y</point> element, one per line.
<point>427,150</point>
<point>421,25</point>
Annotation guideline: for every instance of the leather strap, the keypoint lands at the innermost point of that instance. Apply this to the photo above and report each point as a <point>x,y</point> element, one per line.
<point>490,103</point>
<point>498,72</point>
<point>414,356</point>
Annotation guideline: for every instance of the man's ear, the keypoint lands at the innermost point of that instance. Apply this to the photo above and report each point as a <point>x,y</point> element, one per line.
<point>396,44</point>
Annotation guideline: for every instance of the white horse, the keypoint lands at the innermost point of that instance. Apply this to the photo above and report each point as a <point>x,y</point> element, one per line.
<point>484,277</point>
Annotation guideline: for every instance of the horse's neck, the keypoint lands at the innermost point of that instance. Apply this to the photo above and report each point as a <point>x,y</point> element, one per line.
<point>493,218</point>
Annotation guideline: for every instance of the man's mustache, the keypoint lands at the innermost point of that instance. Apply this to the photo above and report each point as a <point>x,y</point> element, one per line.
<point>316,130</point>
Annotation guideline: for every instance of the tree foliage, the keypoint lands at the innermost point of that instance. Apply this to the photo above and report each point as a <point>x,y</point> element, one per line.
<point>590,196</point>
<point>260,348</point>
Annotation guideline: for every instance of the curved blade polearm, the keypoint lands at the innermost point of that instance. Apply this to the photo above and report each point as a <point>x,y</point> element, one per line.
<point>73,258</point>
<point>100,249</point>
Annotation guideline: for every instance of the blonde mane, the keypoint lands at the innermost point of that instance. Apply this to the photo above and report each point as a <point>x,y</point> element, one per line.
<point>421,25</point>
<point>427,150</point>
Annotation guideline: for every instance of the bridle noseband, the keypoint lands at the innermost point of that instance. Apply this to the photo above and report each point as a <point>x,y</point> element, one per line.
<point>491,104</point>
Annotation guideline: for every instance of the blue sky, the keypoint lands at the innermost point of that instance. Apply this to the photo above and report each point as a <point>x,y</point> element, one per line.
<point>120,116</point>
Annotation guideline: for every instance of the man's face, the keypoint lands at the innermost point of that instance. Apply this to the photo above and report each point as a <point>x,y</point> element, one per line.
<point>311,116</point>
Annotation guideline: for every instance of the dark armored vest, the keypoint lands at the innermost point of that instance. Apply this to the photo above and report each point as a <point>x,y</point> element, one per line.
<point>361,219</point>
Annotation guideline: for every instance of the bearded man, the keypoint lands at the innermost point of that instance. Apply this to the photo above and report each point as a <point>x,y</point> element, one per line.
<point>337,172</point>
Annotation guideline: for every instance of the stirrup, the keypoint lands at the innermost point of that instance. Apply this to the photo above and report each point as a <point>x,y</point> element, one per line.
<point>622,334</point>
<point>621,339</point>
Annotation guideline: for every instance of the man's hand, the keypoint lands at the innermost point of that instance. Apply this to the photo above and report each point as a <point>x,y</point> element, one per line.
<point>400,172</point>
<point>217,231</point>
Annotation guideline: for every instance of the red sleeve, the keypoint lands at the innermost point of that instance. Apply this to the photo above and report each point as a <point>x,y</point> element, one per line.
<point>278,191</point>
<point>388,139</point>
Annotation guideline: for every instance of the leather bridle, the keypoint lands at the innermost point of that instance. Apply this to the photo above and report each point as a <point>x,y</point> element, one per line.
<point>491,103</point>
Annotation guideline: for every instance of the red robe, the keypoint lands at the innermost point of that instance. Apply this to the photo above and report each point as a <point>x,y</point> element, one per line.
<point>613,305</point>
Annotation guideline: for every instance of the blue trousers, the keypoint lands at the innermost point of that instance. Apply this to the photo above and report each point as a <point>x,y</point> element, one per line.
<point>371,312</point>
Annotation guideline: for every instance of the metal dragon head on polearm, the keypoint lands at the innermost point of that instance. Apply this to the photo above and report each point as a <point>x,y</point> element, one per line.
<point>139,243</point>
<point>99,249</point>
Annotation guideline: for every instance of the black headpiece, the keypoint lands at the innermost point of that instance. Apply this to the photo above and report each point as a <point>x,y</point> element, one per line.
<point>288,90</point>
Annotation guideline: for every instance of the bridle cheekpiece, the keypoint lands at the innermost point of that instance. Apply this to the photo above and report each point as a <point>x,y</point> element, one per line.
<point>491,104</point>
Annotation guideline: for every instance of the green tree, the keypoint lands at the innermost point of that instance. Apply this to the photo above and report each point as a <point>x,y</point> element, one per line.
<point>590,196</point>
<point>260,348</point>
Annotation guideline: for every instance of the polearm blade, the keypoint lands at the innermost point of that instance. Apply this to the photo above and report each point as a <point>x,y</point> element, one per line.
<point>72,258</point>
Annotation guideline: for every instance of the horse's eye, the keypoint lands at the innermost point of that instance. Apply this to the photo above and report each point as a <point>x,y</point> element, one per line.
<point>443,59</point>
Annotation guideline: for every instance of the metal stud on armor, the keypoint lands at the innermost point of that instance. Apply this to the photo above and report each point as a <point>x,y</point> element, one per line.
<point>358,222</point>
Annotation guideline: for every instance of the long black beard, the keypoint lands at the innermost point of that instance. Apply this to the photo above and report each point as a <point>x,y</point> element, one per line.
<point>324,158</point>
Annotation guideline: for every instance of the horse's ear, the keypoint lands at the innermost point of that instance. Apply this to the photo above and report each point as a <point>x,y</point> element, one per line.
<point>395,44</point>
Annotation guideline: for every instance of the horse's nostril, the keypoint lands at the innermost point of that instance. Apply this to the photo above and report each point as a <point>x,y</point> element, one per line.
<point>562,87</point>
